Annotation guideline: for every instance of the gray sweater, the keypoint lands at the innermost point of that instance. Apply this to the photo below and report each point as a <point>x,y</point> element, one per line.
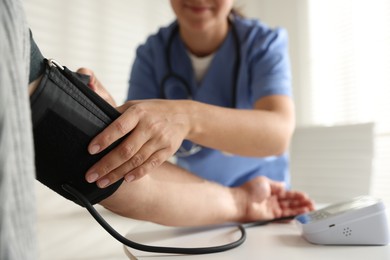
<point>17,199</point>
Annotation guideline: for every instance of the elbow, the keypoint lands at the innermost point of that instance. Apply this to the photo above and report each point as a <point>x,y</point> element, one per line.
<point>282,147</point>
<point>284,140</point>
<point>278,143</point>
<point>278,147</point>
<point>275,147</point>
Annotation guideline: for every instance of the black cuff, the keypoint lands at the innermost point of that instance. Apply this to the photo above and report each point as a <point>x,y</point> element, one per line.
<point>66,115</point>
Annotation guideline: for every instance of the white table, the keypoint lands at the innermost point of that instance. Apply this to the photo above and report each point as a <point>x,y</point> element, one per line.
<point>67,231</point>
<point>273,241</point>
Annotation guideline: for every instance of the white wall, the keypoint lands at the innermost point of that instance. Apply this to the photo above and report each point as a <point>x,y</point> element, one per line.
<point>103,34</point>
<point>99,34</point>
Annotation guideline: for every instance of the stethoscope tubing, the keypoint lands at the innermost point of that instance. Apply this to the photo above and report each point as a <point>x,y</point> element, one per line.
<point>172,74</point>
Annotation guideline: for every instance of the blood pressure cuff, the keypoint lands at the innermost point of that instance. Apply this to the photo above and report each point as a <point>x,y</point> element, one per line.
<point>66,115</point>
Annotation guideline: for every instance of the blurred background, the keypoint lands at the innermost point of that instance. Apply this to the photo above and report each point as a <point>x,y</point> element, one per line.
<point>340,53</point>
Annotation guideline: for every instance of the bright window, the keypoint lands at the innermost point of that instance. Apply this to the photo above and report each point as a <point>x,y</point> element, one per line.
<point>350,72</point>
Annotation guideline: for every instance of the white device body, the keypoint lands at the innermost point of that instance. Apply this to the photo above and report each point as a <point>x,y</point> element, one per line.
<point>360,221</point>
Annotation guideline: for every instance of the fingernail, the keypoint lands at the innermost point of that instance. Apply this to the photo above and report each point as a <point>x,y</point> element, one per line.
<point>103,183</point>
<point>94,149</point>
<point>129,178</point>
<point>92,177</point>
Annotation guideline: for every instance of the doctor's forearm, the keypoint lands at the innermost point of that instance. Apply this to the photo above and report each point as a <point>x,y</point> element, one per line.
<point>241,132</point>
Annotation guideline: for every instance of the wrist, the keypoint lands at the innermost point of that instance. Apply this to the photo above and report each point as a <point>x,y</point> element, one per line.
<point>241,205</point>
<point>192,109</point>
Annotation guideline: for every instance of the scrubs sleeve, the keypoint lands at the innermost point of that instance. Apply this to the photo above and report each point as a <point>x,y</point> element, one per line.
<point>270,65</point>
<point>143,80</point>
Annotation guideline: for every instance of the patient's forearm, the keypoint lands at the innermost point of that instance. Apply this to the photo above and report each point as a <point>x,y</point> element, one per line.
<point>172,196</point>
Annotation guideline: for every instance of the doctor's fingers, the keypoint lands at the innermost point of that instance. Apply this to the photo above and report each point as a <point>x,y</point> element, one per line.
<point>137,154</point>
<point>134,169</point>
<point>128,149</point>
<point>116,130</point>
<point>130,173</point>
<point>150,156</point>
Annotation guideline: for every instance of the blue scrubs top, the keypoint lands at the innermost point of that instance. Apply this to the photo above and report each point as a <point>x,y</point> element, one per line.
<point>264,70</point>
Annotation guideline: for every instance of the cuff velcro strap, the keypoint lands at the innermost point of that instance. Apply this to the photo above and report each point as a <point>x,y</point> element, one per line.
<point>66,115</point>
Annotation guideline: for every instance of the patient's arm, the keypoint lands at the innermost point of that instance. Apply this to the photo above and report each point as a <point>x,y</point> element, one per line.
<point>172,196</point>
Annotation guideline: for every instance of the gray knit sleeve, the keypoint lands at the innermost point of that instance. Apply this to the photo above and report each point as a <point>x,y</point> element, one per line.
<point>37,66</point>
<point>17,172</point>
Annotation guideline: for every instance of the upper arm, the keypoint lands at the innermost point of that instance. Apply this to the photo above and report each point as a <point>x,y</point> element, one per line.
<point>269,62</point>
<point>280,105</point>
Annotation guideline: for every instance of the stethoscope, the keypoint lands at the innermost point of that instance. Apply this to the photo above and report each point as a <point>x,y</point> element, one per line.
<point>188,148</point>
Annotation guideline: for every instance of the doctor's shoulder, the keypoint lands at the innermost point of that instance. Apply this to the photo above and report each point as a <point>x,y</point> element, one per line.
<point>255,28</point>
<point>258,36</point>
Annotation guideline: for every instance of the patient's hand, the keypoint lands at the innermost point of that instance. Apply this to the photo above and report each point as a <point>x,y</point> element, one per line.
<point>268,199</point>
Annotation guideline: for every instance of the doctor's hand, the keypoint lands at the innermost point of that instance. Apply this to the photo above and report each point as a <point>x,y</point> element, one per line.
<point>96,86</point>
<point>157,129</point>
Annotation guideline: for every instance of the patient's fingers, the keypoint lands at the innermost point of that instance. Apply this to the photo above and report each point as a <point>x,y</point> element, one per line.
<point>296,202</point>
<point>276,187</point>
<point>293,194</point>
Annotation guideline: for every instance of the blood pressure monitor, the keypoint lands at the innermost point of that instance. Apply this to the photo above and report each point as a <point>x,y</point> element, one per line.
<point>360,221</point>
